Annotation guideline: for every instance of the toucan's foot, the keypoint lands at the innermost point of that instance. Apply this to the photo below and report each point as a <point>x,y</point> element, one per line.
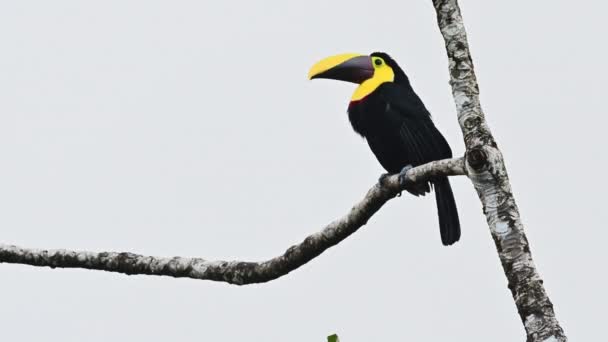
<point>404,181</point>
<point>415,189</point>
<point>382,179</point>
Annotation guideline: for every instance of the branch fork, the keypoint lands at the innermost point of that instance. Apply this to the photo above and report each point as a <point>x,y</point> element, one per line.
<point>483,164</point>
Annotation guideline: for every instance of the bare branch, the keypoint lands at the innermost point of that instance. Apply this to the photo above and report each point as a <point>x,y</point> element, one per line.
<point>486,169</point>
<point>483,164</point>
<point>236,272</point>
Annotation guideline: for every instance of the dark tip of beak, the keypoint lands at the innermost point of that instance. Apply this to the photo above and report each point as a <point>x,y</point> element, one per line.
<point>356,70</point>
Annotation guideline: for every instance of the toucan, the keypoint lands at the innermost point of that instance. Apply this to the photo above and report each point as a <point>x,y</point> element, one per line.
<point>398,128</point>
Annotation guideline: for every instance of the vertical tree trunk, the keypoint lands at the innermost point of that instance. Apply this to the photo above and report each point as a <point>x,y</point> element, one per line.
<point>486,169</point>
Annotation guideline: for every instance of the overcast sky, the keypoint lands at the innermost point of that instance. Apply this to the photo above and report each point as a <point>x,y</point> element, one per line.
<point>189,128</point>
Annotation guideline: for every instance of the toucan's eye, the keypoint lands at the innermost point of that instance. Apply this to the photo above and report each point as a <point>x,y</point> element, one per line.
<point>378,61</point>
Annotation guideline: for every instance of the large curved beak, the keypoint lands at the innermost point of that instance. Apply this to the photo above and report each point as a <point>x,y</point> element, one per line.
<point>347,67</point>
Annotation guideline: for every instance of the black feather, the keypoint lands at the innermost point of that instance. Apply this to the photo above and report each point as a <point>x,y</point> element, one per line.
<point>400,132</point>
<point>449,224</point>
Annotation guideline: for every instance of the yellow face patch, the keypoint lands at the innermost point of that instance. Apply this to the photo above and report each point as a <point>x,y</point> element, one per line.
<point>382,73</point>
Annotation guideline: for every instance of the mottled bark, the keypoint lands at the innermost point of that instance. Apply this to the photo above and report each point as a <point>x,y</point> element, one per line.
<point>483,163</point>
<point>486,169</point>
<point>237,272</point>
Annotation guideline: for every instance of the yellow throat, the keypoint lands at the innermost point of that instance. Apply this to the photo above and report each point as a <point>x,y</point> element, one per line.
<point>382,73</point>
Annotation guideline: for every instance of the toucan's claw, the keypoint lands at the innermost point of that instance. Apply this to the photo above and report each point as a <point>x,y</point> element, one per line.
<point>382,179</point>
<point>404,181</point>
<point>413,188</point>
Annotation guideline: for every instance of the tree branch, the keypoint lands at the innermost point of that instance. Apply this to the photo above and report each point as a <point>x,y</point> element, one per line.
<point>236,272</point>
<point>483,164</point>
<point>486,169</point>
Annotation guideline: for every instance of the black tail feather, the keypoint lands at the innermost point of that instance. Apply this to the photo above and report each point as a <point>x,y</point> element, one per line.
<point>447,212</point>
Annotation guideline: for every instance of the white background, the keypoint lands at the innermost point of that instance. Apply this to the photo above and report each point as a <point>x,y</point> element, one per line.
<point>189,128</point>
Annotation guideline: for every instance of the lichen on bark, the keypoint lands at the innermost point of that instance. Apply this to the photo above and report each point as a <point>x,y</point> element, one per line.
<point>483,163</point>
<point>486,169</point>
<point>236,272</point>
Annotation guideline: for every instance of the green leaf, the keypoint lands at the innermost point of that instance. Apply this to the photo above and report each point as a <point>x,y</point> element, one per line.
<point>333,338</point>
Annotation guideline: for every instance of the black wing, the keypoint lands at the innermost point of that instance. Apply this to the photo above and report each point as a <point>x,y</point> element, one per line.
<point>423,143</point>
<point>420,139</point>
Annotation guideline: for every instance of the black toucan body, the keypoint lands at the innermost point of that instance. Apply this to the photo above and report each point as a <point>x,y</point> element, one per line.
<point>397,126</point>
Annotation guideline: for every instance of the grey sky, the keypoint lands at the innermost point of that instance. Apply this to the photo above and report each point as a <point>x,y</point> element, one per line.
<point>189,128</point>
